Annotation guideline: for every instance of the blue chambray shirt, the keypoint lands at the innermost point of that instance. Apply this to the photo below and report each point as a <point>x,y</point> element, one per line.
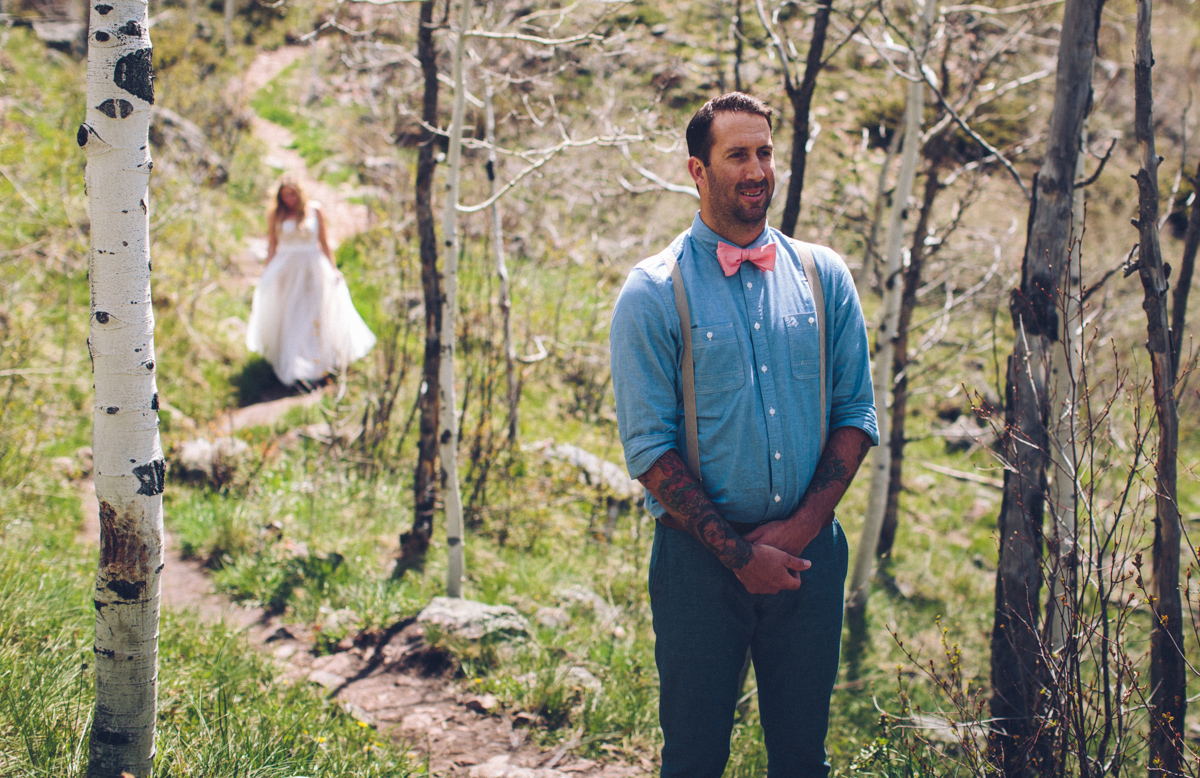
<point>757,368</point>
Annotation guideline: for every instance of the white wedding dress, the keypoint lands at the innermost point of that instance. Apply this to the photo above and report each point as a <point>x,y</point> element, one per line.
<point>302,320</point>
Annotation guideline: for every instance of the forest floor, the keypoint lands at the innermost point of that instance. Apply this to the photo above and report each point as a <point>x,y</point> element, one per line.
<point>391,681</point>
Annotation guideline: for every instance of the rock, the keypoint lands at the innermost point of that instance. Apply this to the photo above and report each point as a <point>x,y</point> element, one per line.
<point>325,678</point>
<point>168,128</point>
<point>524,719</point>
<point>500,767</point>
<point>552,618</point>
<point>581,678</point>
<point>471,620</point>
<point>581,595</point>
<point>215,461</point>
<point>486,704</point>
<point>597,471</point>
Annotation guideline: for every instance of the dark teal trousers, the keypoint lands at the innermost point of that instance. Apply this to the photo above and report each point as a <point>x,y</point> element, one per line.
<point>704,620</point>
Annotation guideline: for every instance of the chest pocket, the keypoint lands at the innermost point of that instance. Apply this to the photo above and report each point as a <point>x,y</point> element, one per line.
<point>804,344</point>
<point>718,358</point>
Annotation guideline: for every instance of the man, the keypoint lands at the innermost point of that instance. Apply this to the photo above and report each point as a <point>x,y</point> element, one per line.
<point>751,556</point>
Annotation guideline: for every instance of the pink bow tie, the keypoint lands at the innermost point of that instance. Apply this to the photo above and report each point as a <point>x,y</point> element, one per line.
<point>731,257</point>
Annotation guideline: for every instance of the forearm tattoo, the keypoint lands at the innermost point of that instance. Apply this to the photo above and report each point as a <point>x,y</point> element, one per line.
<point>690,510</point>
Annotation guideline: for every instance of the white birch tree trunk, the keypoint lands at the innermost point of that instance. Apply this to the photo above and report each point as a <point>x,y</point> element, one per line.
<point>448,437</point>
<point>510,349</point>
<point>129,466</point>
<point>1065,373</point>
<point>229,9</point>
<point>881,456</point>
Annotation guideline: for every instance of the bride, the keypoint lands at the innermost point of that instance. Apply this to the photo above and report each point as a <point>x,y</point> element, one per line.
<point>302,320</point>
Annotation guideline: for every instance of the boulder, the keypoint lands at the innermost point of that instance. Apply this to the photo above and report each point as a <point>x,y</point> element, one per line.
<point>214,461</point>
<point>471,620</point>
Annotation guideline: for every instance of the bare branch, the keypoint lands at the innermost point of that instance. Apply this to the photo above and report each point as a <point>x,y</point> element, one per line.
<point>651,176</point>
<point>1103,161</point>
<point>779,45</point>
<point>1013,9</point>
<point>518,36</point>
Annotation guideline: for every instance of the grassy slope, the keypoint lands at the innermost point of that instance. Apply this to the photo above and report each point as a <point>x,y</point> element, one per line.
<point>537,531</point>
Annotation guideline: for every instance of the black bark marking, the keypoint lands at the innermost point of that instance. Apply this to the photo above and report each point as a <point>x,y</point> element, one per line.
<point>154,402</point>
<point>111,410</point>
<point>143,204</point>
<point>102,317</point>
<point>446,436</point>
<point>111,737</point>
<point>114,108</point>
<point>103,9</point>
<point>452,542</point>
<point>127,590</point>
<point>131,28</point>
<point>81,137</point>
<point>135,74</point>
<point>153,476</point>
<point>102,36</point>
<point>150,364</point>
<point>99,605</point>
<point>108,652</point>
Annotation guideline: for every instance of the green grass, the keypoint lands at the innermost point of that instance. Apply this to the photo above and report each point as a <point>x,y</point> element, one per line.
<point>222,709</point>
<point>276,102</point>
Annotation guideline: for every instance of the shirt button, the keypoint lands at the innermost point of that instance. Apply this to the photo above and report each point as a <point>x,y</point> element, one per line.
<point>777,498</point>
<point>764,368</point>
<point>749,284</point>
<point>811,320</point>
<point>778,455</point>
<point>771,411</point>
<point>710,336</point>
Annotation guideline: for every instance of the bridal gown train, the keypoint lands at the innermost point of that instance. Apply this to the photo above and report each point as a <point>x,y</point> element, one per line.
<point>302,320</point>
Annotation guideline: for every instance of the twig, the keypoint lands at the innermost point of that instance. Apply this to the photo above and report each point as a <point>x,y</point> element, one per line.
<point>963,476</point>
<point>1103,161</point>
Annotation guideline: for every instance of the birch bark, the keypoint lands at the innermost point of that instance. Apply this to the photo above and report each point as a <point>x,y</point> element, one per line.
<point>864,558</point>
<point>448,436</point>
<point>510,350</point>
<point>129,466</point>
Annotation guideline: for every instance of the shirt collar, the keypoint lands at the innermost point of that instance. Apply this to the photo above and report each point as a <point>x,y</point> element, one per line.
<point>706,240</point>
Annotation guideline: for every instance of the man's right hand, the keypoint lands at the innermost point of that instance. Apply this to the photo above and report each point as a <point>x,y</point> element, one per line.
<point>771,571</point>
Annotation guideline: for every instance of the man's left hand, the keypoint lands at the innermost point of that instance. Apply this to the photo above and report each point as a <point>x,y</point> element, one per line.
<point>791,535</point>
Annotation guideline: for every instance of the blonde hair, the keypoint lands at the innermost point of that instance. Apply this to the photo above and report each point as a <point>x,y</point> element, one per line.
<point>280,211</point>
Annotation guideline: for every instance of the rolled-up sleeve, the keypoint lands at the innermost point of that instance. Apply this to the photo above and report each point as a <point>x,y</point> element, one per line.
<point>852,400</point>
<point>644,348</point>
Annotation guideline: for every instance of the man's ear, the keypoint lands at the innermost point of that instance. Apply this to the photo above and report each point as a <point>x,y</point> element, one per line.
<point>698,172</point>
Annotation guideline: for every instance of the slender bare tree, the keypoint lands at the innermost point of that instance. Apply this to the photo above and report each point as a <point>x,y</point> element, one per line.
<point>864,560</point>
<point>1017,656</point>
<point>1168,667</point>
<point>448,437</point>
<point>129,466</point>
<point>415,542</point>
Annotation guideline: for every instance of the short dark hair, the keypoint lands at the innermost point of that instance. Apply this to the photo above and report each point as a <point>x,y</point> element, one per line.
<point>699,129</point>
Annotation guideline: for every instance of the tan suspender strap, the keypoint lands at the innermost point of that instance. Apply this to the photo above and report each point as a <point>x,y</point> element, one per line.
<point>814,285</point>
<point>687,364</point>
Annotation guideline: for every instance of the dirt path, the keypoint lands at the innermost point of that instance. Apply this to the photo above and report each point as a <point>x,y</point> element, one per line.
<point>396,683</point>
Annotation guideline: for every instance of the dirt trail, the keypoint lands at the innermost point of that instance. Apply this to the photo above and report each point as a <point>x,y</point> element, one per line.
<point>397,684</point>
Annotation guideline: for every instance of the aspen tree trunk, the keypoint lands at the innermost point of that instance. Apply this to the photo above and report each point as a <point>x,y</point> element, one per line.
<point>448,436</point>
<point>229,10</point>
<point>415,543</point>
<point>908,301</point>
<point>129,467</point>
<point>1168,670</point>
<point>801,100</point>
<point>510,349</point>
<point>1018,742</point>
<point>864,557</point>
<point>1066,363</point>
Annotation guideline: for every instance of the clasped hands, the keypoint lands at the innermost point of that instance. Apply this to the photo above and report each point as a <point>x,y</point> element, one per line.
<point>776,563</point>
